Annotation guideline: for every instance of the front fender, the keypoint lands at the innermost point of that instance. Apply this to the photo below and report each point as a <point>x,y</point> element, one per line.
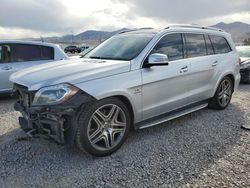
<point>126,85</point>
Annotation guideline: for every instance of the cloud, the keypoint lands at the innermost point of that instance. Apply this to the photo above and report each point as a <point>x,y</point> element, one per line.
<point>32,18</point>
<point>38,15</point>
<point>179,11</point>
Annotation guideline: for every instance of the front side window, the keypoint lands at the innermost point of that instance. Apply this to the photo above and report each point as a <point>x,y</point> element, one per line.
<point>220,44</point>
<point>170,45</point>
<point>195,45</point>
<point>121,47</point>
<point>5,53</point>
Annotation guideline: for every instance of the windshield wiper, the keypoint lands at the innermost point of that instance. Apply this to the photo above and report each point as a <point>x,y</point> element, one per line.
<point>108,58</point>
<point>96,57</point>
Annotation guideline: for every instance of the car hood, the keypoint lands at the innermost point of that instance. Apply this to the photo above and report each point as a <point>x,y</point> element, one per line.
<point>71,71</point>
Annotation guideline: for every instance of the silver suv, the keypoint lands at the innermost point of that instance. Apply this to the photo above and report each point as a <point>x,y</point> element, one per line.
<point>135,79</point>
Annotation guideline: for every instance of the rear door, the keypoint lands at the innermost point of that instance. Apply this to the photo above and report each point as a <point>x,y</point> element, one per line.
<point>16,57</point>
<point>164,87</point>
<point>203,66</point>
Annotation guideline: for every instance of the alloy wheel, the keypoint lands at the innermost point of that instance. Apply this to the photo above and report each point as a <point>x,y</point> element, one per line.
<point>106,127</point>
<point>225,92</point>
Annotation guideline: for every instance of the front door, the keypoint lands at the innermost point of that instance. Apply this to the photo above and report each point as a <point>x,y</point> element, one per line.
<point>164,87</point>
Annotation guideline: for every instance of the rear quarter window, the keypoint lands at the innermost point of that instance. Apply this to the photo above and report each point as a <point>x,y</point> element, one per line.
<point>220,44</point>
<point>47,53</point>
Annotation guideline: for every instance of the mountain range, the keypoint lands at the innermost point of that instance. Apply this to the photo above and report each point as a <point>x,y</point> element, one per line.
<point>239,31</point>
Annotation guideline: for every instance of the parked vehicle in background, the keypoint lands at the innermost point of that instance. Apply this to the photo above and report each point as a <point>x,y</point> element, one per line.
<point>244,52</point>
<point>72,49</point>
<point>138,78</point>
<point>17,55</point>
<point>83,53</point>
<point>83,48</point>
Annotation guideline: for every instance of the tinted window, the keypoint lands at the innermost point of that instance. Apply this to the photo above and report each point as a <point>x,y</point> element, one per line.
<point>220,44</point>
<point>5,53</point>
<point>25,52</point>
<point>47,53</point>
<point>210,49</point>
<point>195,45</point>
<point>171,45</point>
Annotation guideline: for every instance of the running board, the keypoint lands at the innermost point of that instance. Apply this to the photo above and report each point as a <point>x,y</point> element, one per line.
<point>169,116</point>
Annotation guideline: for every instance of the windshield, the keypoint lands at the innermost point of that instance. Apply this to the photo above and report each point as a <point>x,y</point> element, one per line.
<point>244,51</point>
<point>121,47</point>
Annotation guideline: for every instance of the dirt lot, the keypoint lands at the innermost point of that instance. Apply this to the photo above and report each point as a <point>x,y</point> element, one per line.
<point>204,149</point>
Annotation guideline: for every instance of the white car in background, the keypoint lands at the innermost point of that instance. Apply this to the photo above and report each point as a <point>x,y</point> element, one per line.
<point>17,55</point>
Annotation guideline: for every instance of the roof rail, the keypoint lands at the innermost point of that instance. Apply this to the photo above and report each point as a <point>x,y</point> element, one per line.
<point>193,26</point>
<point>129,30</point>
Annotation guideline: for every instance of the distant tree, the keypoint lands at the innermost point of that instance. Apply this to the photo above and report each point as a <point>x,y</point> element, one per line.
<point>247,41</point>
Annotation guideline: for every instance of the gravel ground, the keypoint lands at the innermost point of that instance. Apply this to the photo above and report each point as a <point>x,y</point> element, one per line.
<point>204,149</point>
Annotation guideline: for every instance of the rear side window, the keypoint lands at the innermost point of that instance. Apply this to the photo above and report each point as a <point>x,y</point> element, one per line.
<point>170,45</point>
<point>220,44</point>
<point>25,52</point>
<point>195,45</point>
<point>210,50</point>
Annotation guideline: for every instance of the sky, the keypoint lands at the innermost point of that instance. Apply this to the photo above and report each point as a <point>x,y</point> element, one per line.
<point>35,18</point>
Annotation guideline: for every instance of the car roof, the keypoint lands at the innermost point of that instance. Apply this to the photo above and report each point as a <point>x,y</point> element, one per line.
<point>28,42</point>
<point>177,27</point>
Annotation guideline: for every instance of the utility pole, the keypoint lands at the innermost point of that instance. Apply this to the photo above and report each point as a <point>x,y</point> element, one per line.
<point>72,37</point>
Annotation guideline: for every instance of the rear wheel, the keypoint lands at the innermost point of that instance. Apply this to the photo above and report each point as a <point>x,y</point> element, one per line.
<point>223,94</point>
<point>103,127</point>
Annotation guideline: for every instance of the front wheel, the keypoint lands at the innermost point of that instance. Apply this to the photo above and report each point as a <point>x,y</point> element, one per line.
<point>223,94</point>
<point>103,127</point>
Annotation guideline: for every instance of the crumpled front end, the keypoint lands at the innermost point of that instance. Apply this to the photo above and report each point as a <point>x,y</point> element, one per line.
<point>58,122</point>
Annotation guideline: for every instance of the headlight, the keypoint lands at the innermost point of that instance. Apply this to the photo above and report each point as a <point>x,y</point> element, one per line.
<point>54,94</point>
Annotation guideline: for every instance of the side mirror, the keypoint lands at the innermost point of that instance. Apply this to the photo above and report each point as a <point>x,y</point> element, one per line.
<point>157,59</point>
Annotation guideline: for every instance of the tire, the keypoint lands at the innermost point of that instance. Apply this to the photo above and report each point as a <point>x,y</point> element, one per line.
<point>103,127</point>
<point>222,95</point>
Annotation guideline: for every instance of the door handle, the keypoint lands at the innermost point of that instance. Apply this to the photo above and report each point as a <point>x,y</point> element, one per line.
<point>214,63</point>
<point>184,69</point>
<point>6,68</point>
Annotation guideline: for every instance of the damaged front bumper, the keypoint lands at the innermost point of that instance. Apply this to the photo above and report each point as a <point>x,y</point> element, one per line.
<point>58,122</point>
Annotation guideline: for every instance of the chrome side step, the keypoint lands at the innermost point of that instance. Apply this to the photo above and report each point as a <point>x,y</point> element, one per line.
<point>171,116</point>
